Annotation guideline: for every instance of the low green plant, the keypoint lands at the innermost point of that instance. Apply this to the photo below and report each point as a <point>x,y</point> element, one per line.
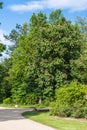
<point>30,99</point>
<point>46,102</point>
<point>71,101</point>
<point>7,101</point>
<point>84,110</point>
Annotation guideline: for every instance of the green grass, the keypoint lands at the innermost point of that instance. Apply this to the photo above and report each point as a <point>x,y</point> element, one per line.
<point>58,123</point>
<point>6,105</point>
<point>22,106</point>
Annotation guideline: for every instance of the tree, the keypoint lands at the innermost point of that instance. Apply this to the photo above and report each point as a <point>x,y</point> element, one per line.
<point>19,72</point>
<point>79,66</point>
<point>59,46</point>
<point>1,6</point>
<point>56,16</point>
<point>38,20</point>
<point>5,87</point>
<point>2,48</point>
<point>82,23</point>
<point>24,54</point>
<point>15,34</point>
<point>1,3</point>
<point>43,60</point>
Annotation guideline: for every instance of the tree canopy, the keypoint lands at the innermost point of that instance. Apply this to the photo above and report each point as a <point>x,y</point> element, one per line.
<point>45,56</point>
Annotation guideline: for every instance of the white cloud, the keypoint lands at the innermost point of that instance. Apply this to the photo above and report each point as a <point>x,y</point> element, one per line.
<point>72,5</point>
<point>27,7</point>
<point>3,40</point>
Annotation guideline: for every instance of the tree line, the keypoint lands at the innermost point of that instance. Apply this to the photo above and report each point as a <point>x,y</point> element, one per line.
<point>48,52</point>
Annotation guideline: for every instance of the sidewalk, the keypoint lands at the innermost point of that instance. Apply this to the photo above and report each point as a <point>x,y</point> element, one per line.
<point>23,124</point>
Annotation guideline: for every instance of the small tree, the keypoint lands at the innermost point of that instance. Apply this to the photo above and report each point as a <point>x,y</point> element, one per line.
<point>1,3</point>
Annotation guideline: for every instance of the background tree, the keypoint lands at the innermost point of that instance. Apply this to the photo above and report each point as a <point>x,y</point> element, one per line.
<point>15,34</point>
<point>1,4</point>
<point>5,87</point>
<point>2,48</point>
<point>79,69</point>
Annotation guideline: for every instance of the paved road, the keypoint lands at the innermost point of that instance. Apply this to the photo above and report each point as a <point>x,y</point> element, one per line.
<point>11,119</point>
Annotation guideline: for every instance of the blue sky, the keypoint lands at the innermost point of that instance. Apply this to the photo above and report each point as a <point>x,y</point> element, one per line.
<point>20,11</point>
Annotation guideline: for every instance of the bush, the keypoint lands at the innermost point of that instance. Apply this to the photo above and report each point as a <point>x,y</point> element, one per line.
<point>63,110</point>
<point>71,101</point>
<point>46,102</point>
<point>30,99</point>
<point>7,101</point>
<point>77,110</point>
<point>84,111</point>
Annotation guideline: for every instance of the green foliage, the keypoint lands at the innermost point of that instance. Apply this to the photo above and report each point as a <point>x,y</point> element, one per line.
<point>49,56</point>
<point>18,92</point>
<point>1,5</point>
<point>82,23</point>
<point>43,57</point>
<point>2,48</point>
<point>30,99</point>
<point>72,93</point>
<point>71,101</point>
<point>15,34</point>
<point>84,110</point>
<point>63,110</point>
<point>38,20</point>
<point>5,86</point>
<point>54,55</point>
<point>56,16</point>
<point>7,101</point>
<point>79,66</point>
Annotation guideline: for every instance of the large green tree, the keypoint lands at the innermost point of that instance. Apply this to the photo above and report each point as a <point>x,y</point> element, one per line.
<point>59,46</point>
<point>22,73</point>
<point>42,62</point>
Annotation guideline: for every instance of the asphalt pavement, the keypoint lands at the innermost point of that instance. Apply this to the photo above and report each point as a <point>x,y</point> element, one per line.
<point>12,119</point>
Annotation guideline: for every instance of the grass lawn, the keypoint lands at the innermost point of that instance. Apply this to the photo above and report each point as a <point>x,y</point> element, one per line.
<point>21,106</point>
<point>58,123</point>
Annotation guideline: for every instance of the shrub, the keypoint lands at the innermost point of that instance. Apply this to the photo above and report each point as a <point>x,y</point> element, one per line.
<point>77,110</point>
<point>71,101</point>
<point>7,101</point>
<point>84,111</point>
<point>30,99</point>
<point>46,102</point>
<point>63,110</point>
